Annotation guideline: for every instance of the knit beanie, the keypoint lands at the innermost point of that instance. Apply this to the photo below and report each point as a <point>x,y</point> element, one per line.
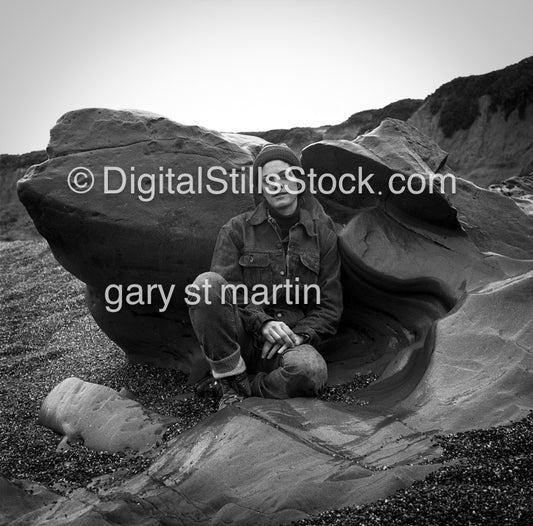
<point>274,152</point>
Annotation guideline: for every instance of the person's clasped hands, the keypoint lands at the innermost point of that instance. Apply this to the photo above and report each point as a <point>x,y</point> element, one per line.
<point>278,338</point>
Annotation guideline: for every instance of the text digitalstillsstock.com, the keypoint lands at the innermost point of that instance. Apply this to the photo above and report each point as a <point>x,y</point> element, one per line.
<point>217,180</point>
<point>116,295</point>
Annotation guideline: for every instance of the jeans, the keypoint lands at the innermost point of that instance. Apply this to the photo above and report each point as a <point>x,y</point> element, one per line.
<point>230,349</point>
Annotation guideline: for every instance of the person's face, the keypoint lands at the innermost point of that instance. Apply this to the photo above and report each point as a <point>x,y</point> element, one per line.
<point>282,201</point>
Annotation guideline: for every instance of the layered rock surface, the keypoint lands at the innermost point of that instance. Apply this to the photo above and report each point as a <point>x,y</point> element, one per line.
<point>438,290</point>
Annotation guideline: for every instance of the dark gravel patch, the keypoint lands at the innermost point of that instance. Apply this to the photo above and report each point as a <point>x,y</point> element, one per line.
<point>47,335</point>
<point>347,393</point>
<point>489,481</point>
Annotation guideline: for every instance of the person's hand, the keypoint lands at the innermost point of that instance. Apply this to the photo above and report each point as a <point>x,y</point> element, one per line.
<point>278,338</point>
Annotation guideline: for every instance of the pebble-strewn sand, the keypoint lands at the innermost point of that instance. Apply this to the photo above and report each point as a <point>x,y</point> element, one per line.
<point>489,482</point>
<point>46,335</point>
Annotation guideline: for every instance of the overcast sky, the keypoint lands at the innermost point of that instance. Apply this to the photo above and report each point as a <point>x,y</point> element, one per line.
<point>241,64</point>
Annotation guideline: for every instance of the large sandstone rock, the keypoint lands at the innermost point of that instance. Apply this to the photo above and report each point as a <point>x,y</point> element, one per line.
<point>408,259</point>
<point>117,238</point>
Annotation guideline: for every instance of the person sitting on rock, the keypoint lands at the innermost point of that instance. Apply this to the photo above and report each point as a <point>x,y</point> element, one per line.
<point>266,349</point>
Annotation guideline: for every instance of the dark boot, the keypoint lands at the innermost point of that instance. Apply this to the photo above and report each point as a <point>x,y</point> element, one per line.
<point>234,389</point>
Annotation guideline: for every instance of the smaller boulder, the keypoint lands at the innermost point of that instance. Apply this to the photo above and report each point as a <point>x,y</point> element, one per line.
<point>101,418</point>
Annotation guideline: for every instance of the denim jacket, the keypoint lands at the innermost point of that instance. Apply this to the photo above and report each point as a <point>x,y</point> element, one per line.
<point>249,250</point>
